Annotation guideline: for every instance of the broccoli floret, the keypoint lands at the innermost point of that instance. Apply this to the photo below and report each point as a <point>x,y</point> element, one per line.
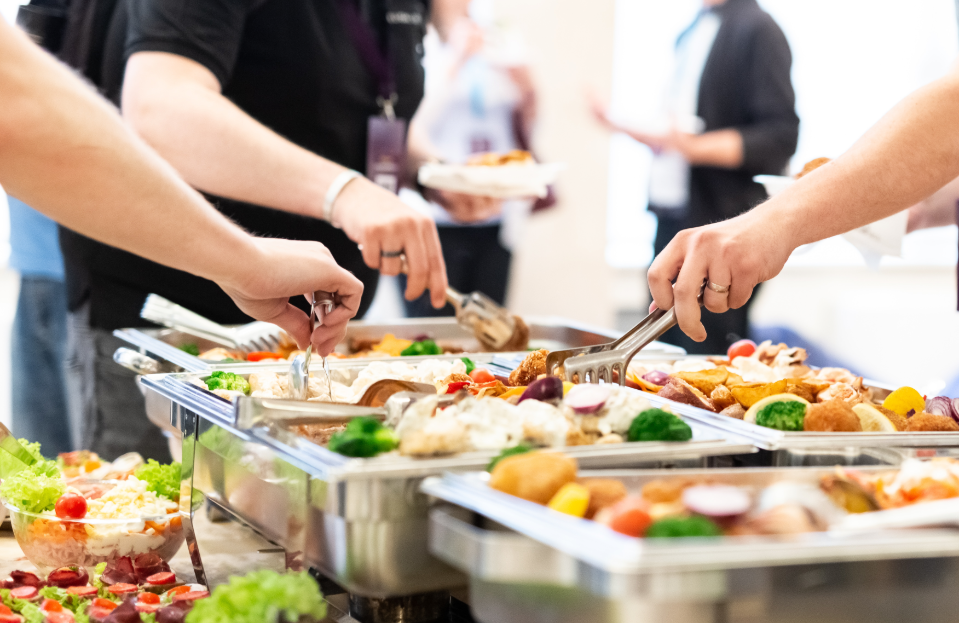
<point>680,527</point>
<point>364,437</point>
<point>785,415</point>
<point>190,349</point>
<point>522,448</point>
<point>658,425</point>
<point>423,347</point>
<point>228,381</point>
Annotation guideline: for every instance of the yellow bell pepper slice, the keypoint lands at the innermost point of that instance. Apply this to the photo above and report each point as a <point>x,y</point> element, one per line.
<point>571,499</point>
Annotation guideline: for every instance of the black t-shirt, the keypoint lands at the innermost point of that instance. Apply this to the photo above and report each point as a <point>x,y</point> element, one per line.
<point>292,66</point>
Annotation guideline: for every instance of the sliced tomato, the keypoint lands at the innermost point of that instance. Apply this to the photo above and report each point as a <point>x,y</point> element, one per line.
<point>62,616</point>
<point>122,588</point>
<point>263,354</point>
<point>159,579</point>
<point>148,598</point>
<point>455,386</point>
<point>482,375</point>
<point>83,591</point>
<point>106,604</point>
<point>191,596</point>
<point>173,592</point>
<point>24,592</point>
<point>97,613</point>
<point>5,609</point>
<point>147,608</point>
<point>51,605</point>
<point>11,618</point>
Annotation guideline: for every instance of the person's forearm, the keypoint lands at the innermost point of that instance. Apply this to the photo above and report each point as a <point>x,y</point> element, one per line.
<point>67,153</point>
<point>719,148</point>
<point>912,152</point>
<point>217,147</point>
<point>937,210</point>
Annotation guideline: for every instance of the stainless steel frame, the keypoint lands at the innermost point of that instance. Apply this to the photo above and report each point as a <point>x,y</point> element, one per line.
<point>529,564</point>
<point>361,522</point>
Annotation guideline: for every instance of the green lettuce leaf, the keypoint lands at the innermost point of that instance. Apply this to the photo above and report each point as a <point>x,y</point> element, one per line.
<point>161,479</point>
<point>35,489</point>
<point>261,596</point>
<point>10,465</point>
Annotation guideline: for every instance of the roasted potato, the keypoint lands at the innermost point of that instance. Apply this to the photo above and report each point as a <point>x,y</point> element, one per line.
<point>722,397</point>
<point>680,391</point>
<point>704,380</point>
<point>748,394</point>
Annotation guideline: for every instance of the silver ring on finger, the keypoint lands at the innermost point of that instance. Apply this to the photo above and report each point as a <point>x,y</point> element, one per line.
<point>391,254</point>
<point>718,289</point>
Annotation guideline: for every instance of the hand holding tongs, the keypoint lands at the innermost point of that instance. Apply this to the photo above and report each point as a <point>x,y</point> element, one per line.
<point>323,304</point>
<point>592,364</point>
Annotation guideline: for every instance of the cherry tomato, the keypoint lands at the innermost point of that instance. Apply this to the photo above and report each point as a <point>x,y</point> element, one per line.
<point>148,598</point>
<point>51,605</point>
<point>742,348</point>
<point>481,375</point>
<point>261,355</point>
<point>106,604</point>
<point>631,521</point>
<point>71,506</point>
<point>62,616</point>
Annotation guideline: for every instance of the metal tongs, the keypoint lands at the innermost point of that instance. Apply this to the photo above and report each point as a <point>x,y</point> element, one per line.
<point>479,314</point>
<point>609,362</point>
<point>322,304</point>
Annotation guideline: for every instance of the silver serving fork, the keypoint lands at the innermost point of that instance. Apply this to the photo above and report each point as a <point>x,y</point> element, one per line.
<point>251,337</point>
<point>592,364</point>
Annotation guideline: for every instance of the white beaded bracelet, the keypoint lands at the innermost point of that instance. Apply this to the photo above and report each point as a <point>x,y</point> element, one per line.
<point>339,183</point>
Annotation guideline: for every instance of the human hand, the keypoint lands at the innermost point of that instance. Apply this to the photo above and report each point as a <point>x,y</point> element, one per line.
<point>467,208</point>
<point>740,253</point>
<point>379,222</point>
<point>280,269</point>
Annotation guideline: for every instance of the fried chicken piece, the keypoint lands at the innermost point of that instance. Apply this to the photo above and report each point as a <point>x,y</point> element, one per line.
<point>832,416</point>
<point>534,476</point>
<point>722,398</point>
<point>811,166</point>
<point>603,492</point>
<point>805,391</point>
<point>842,391</point>
<point>897,420</point>
<point>530,369</point>
<point>766,352</point>
<point>680,391</point>
<point>927,422</point>
<point>735,411</point>
<point>665,491</point>
<point>456,377</point>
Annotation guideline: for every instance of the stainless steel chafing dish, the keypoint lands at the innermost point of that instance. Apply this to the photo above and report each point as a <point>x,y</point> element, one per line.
<point>360,522</point>
<point>529,564</point>
<point>545,332</point>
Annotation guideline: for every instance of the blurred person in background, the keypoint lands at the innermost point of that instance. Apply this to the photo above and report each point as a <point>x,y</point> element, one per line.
<point>38,342</point>
<point>731,115</point>
<point>479,98</point>
<point>267,106</point>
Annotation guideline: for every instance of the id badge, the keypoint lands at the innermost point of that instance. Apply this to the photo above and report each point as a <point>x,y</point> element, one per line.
<point>386,151</point>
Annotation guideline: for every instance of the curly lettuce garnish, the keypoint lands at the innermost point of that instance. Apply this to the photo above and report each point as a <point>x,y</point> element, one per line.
<point>161,479</point>
<point>34,489</point>
<point>262,596</point>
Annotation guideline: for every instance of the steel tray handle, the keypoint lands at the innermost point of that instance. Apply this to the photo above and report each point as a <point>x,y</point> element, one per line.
<point>493,555</point>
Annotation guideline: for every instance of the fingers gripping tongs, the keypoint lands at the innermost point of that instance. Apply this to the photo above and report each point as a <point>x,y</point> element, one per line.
<point>608,362</point>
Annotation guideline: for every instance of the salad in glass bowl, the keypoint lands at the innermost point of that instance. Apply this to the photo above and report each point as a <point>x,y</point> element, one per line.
<point>60,523</point>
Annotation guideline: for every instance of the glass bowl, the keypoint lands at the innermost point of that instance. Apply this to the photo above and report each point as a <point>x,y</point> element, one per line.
<point>50,542</point>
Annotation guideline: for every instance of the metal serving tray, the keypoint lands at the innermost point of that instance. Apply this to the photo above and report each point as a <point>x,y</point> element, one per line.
<point>528,564</point>
<point>361,522</point>
<point>545,332</point>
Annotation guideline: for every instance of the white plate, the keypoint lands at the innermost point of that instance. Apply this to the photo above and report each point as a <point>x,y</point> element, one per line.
<point>504,182</point>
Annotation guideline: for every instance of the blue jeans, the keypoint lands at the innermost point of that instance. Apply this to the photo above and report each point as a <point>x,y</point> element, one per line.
<point>37,375</point>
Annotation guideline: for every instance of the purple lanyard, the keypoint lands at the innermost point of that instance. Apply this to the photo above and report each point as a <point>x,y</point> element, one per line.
<point>373,56</point>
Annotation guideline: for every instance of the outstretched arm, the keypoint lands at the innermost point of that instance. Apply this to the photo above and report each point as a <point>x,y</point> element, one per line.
<point>66,152</point>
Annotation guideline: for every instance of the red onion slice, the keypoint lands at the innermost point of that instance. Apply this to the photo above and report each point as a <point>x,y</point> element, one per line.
<point>587,398</point>
<point>656,377</point>
<point>717,501</point>
<point>941,405</point>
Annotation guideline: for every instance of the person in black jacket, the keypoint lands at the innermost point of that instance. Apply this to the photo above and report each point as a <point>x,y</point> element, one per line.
<point>731,112</point>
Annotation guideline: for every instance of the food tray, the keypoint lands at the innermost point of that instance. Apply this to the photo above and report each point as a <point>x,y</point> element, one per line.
<point>529,564</point>
<point>545,332</point>
<point>361,522</point>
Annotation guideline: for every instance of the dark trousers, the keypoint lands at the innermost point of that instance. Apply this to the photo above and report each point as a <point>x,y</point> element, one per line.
<point>475,261</point>
<point>721,329</point>
<point>37,376</point>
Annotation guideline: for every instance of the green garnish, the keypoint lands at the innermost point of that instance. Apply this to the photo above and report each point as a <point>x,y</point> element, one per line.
<point>161,479</point>
<point>29,612</point>
<point>10,465</point>
<point>190,349</point>
<point>522,448</point>
<point>658,425</point>
<point>262,596</point>
<point>228,381</point>
<point>34,489</point>
<point>363,437</point>
<point>681,527</point>
<point>470,366</point>
<point>424,347</point>
<point>785,415</point>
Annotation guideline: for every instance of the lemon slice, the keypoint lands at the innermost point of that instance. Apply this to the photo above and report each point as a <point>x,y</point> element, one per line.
<point>756,408</point>
<point>873,420</point>
<point>904,400</point>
